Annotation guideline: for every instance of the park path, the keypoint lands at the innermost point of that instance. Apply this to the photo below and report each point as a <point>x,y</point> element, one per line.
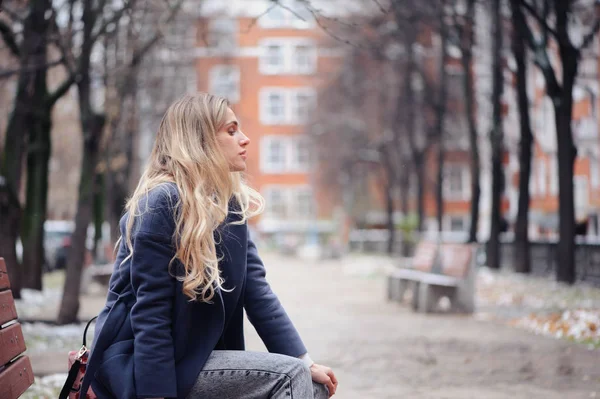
<point>384,350</point>
<point>378,349</point>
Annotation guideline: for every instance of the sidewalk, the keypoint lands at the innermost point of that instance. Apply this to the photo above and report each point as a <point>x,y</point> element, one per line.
<point>384,350</point>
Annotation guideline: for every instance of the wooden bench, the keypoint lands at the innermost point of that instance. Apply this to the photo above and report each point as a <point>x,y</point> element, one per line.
<point>436,271</point>
<point>16,374</point>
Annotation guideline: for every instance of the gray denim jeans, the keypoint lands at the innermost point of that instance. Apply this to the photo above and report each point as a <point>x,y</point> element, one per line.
<point>255,375</point>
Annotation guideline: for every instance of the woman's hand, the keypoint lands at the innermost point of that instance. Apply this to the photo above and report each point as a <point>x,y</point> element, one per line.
<point>324,375</point>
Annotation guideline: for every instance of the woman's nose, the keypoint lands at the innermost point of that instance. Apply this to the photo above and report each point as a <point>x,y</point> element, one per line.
<point>244,140</point>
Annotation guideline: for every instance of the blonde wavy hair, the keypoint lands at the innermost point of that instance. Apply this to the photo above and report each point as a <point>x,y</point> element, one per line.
<point>186,153</point>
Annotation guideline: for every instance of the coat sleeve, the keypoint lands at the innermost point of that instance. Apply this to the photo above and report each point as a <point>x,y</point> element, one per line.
<point>151,315</point>
<point>266,313</point>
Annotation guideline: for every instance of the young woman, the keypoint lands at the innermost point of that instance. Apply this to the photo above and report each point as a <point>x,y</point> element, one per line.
<point>185,271</point>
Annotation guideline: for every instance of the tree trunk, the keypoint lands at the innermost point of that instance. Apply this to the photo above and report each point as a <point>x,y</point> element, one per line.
<point>92,125</point>
<point>389,207</point>
<point>34,216</point>
<point>496,139</point>
<point>421,176</point>
<point>69,309</point>
<point>99,207</point>
<point>404,206</point>
<point>565,269</point>
<point>33,57</point>
<point>440,117</point>
<point>522,255</point>
<point>468,86</point>
<point>9,229</point>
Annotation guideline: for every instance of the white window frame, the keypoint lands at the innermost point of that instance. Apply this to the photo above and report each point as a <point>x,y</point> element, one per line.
<point>288,46</point>
<point>290,105</point>
<point>311,56</point>
<point>295,192</point>
<point>464,193</point>
<point>266,118</point>
<point>266,164</point>
<point>290,154</point>
<point>295,164</point>
<point>311,93</point>
<point>267,192</point>
<point>216,73</point>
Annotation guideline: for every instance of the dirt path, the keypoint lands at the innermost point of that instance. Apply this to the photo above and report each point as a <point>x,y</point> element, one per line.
<point>384,350</point>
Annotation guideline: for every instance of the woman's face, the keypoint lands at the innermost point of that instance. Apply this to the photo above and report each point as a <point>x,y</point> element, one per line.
<point>233,142</point>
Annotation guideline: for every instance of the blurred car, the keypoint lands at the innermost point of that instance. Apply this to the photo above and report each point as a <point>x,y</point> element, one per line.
<point>57,241</point>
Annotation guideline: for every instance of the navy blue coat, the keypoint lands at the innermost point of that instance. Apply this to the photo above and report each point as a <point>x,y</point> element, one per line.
<point>151,340</point>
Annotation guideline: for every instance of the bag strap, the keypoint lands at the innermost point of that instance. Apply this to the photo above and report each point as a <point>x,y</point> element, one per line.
<point>64,392</point>
<point>86,329</point>
<point>74,371</point>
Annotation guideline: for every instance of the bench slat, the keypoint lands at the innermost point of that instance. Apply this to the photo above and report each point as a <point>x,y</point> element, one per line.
<point>16,378</point>
<point>8,310</point>
<point>11,343</point>
<point>429,278</point>
<point>4,281</point>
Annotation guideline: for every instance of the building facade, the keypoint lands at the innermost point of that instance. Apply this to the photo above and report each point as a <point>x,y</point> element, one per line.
<point>270,63</point>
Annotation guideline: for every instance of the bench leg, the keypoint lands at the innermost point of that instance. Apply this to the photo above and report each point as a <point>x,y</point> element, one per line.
<point>427,298</point>
<point>416,288</point>
<point>396,288</point>
<point>463,300</point>
<point>401,289</point>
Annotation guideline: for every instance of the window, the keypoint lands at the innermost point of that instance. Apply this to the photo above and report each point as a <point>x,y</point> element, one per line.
<point>273,154</point>
<point>280,106</point>
<point>273,58</point>
<point>581,196</point>
<point>304,58</point>
<point>594,173</point>
<point>456,182</point>
<point>457,223</point>
<point>289,202</point>
<point>223,34</point>
<point>302,106</point>
<point>225,82</point>
<point>275,202</point>
<point>541,176</point>
<point>304,205</point>
<point>287,56</point>
<point>301,151</point>
<point>284,154</point>
<point>272,106</point>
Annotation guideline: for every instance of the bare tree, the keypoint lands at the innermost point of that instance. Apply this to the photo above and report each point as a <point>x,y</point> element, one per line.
<point>496,138</point>
<point>464,25</point>
<point>28,129</point>
<point>92,125</point>
<point>522,255</point>
<point>555,20</point>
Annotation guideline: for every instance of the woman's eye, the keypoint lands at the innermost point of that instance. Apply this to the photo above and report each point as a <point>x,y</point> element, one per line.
<point>232,131</point>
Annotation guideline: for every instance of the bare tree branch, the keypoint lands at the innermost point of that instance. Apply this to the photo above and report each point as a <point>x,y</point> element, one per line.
<point>541,19</point>
<point>9,38</point>
<point>589,37</point>
<point>29,68</point>
<point>12,14</point>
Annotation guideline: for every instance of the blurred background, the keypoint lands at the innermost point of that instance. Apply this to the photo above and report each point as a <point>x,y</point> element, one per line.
<point>374,124</point>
